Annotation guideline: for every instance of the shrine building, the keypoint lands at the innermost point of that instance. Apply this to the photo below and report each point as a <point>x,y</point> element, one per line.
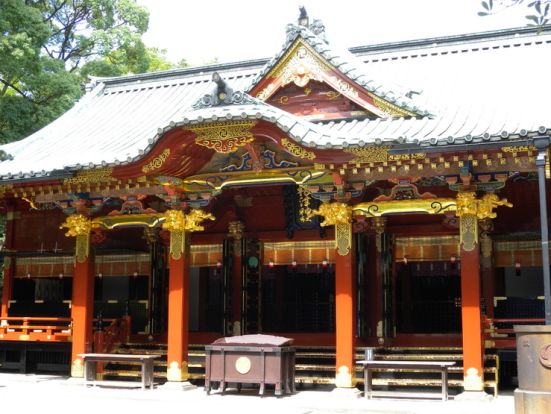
<point>385,196</point>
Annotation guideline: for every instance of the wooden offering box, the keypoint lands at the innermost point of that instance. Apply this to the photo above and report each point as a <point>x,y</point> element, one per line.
<point>251,359</point>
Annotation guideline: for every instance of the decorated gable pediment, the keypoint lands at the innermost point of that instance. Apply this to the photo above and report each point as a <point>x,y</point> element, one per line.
<point>305,82</point>
<point>317,100</point>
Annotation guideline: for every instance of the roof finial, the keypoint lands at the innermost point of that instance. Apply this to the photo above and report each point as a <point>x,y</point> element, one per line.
<point>303,19</point>
<point>222,94</point>
<point>220,86</point>
<point>316,27</point>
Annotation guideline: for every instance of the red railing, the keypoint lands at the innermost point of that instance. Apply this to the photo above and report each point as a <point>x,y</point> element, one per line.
<point>117,332</point>
<point>499,332</point>
<point>23,328</point>
<point>107,339</point>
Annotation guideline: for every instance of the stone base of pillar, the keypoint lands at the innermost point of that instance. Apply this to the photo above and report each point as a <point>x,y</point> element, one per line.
<point>344,378</point>
<point>349,392</point>
<point>177,372</point>
<point>236,328</point>
<point>472,381</point>
<point>473,396</point>
<point>527,402</point>
<point>77,369</point>
<point>178,386</point>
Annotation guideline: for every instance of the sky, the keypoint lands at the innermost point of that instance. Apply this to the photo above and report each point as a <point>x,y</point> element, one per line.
<point>232,30</point>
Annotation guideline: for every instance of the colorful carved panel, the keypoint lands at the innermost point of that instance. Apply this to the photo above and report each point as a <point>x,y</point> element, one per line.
<point>224,137</point>
<point>268,160</point>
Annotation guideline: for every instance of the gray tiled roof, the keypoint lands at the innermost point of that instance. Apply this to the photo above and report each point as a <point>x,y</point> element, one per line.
<point>490,88</point>
<point>347,64</point>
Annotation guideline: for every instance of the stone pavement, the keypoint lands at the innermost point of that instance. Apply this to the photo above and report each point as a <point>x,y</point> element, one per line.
<point>42,394</point>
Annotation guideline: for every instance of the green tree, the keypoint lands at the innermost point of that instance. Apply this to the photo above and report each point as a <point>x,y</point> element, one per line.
<point>23,34</point>
<point>539,9</point>
<point>48,48</point>
<point>121,62</point>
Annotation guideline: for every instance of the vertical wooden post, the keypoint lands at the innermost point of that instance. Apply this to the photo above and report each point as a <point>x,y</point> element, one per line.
<point>9,263</point>
<point>473,350</point>
<point>82,304</point>
<point>470,210</point>
<point>7,289</point>
<point>178,315</point>
<point>82,308</point>
<point>487,265</point>
<point>345,320</point>
<point>379,225</point>
<point>340,216</point>
<point>236,229</point>
<point>179,225</point>
<point>236,289</point>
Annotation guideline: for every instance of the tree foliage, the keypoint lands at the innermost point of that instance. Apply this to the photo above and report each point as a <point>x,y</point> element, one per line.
<point>48,48</point>
<point>539,9</point>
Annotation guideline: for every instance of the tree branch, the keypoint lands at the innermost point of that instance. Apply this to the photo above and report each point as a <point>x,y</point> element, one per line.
<point>15,88</point>
<point>55,11</point>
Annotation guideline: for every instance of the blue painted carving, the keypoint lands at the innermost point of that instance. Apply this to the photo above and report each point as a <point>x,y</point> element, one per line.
<point>245,164</point>
<point>269,162</point>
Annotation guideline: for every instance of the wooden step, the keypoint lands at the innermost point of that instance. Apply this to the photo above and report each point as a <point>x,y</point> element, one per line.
<point>314,380</point>
<point>316,365</point>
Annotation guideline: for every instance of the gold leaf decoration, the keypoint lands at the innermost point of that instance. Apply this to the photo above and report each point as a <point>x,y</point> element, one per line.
<point>297,150</point>
<point>343,238</point>
<point>340,216</point>
<point>332,94</point>
<point>407,157</point>
<point>520,148</point>
<point>369,154</point>
<point>79,226</point>
<point>156,162</point>
<point>334,213</point>
<point>98,175</point>
<point>468,232</point>
<point>468,204</point>
<point>344,87</point>
<point>470,210</point>
<point>389,108</point>
<point>266,92</point>
<point>224,137</point>
<point>299,65</point>
<point>305,207</point>
<point>488,203</point>
<point>178,223</point>
<point>5,188</point>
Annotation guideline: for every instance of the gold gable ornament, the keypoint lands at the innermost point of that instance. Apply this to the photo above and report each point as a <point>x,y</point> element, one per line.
<point>178,224</point>
<point>470,210</point>
<point>340,216</point>
<point>224,137</point>
<point>299,66</point>
<point>80,227</point>
<point>156,162</point>
<point>297,150</point>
